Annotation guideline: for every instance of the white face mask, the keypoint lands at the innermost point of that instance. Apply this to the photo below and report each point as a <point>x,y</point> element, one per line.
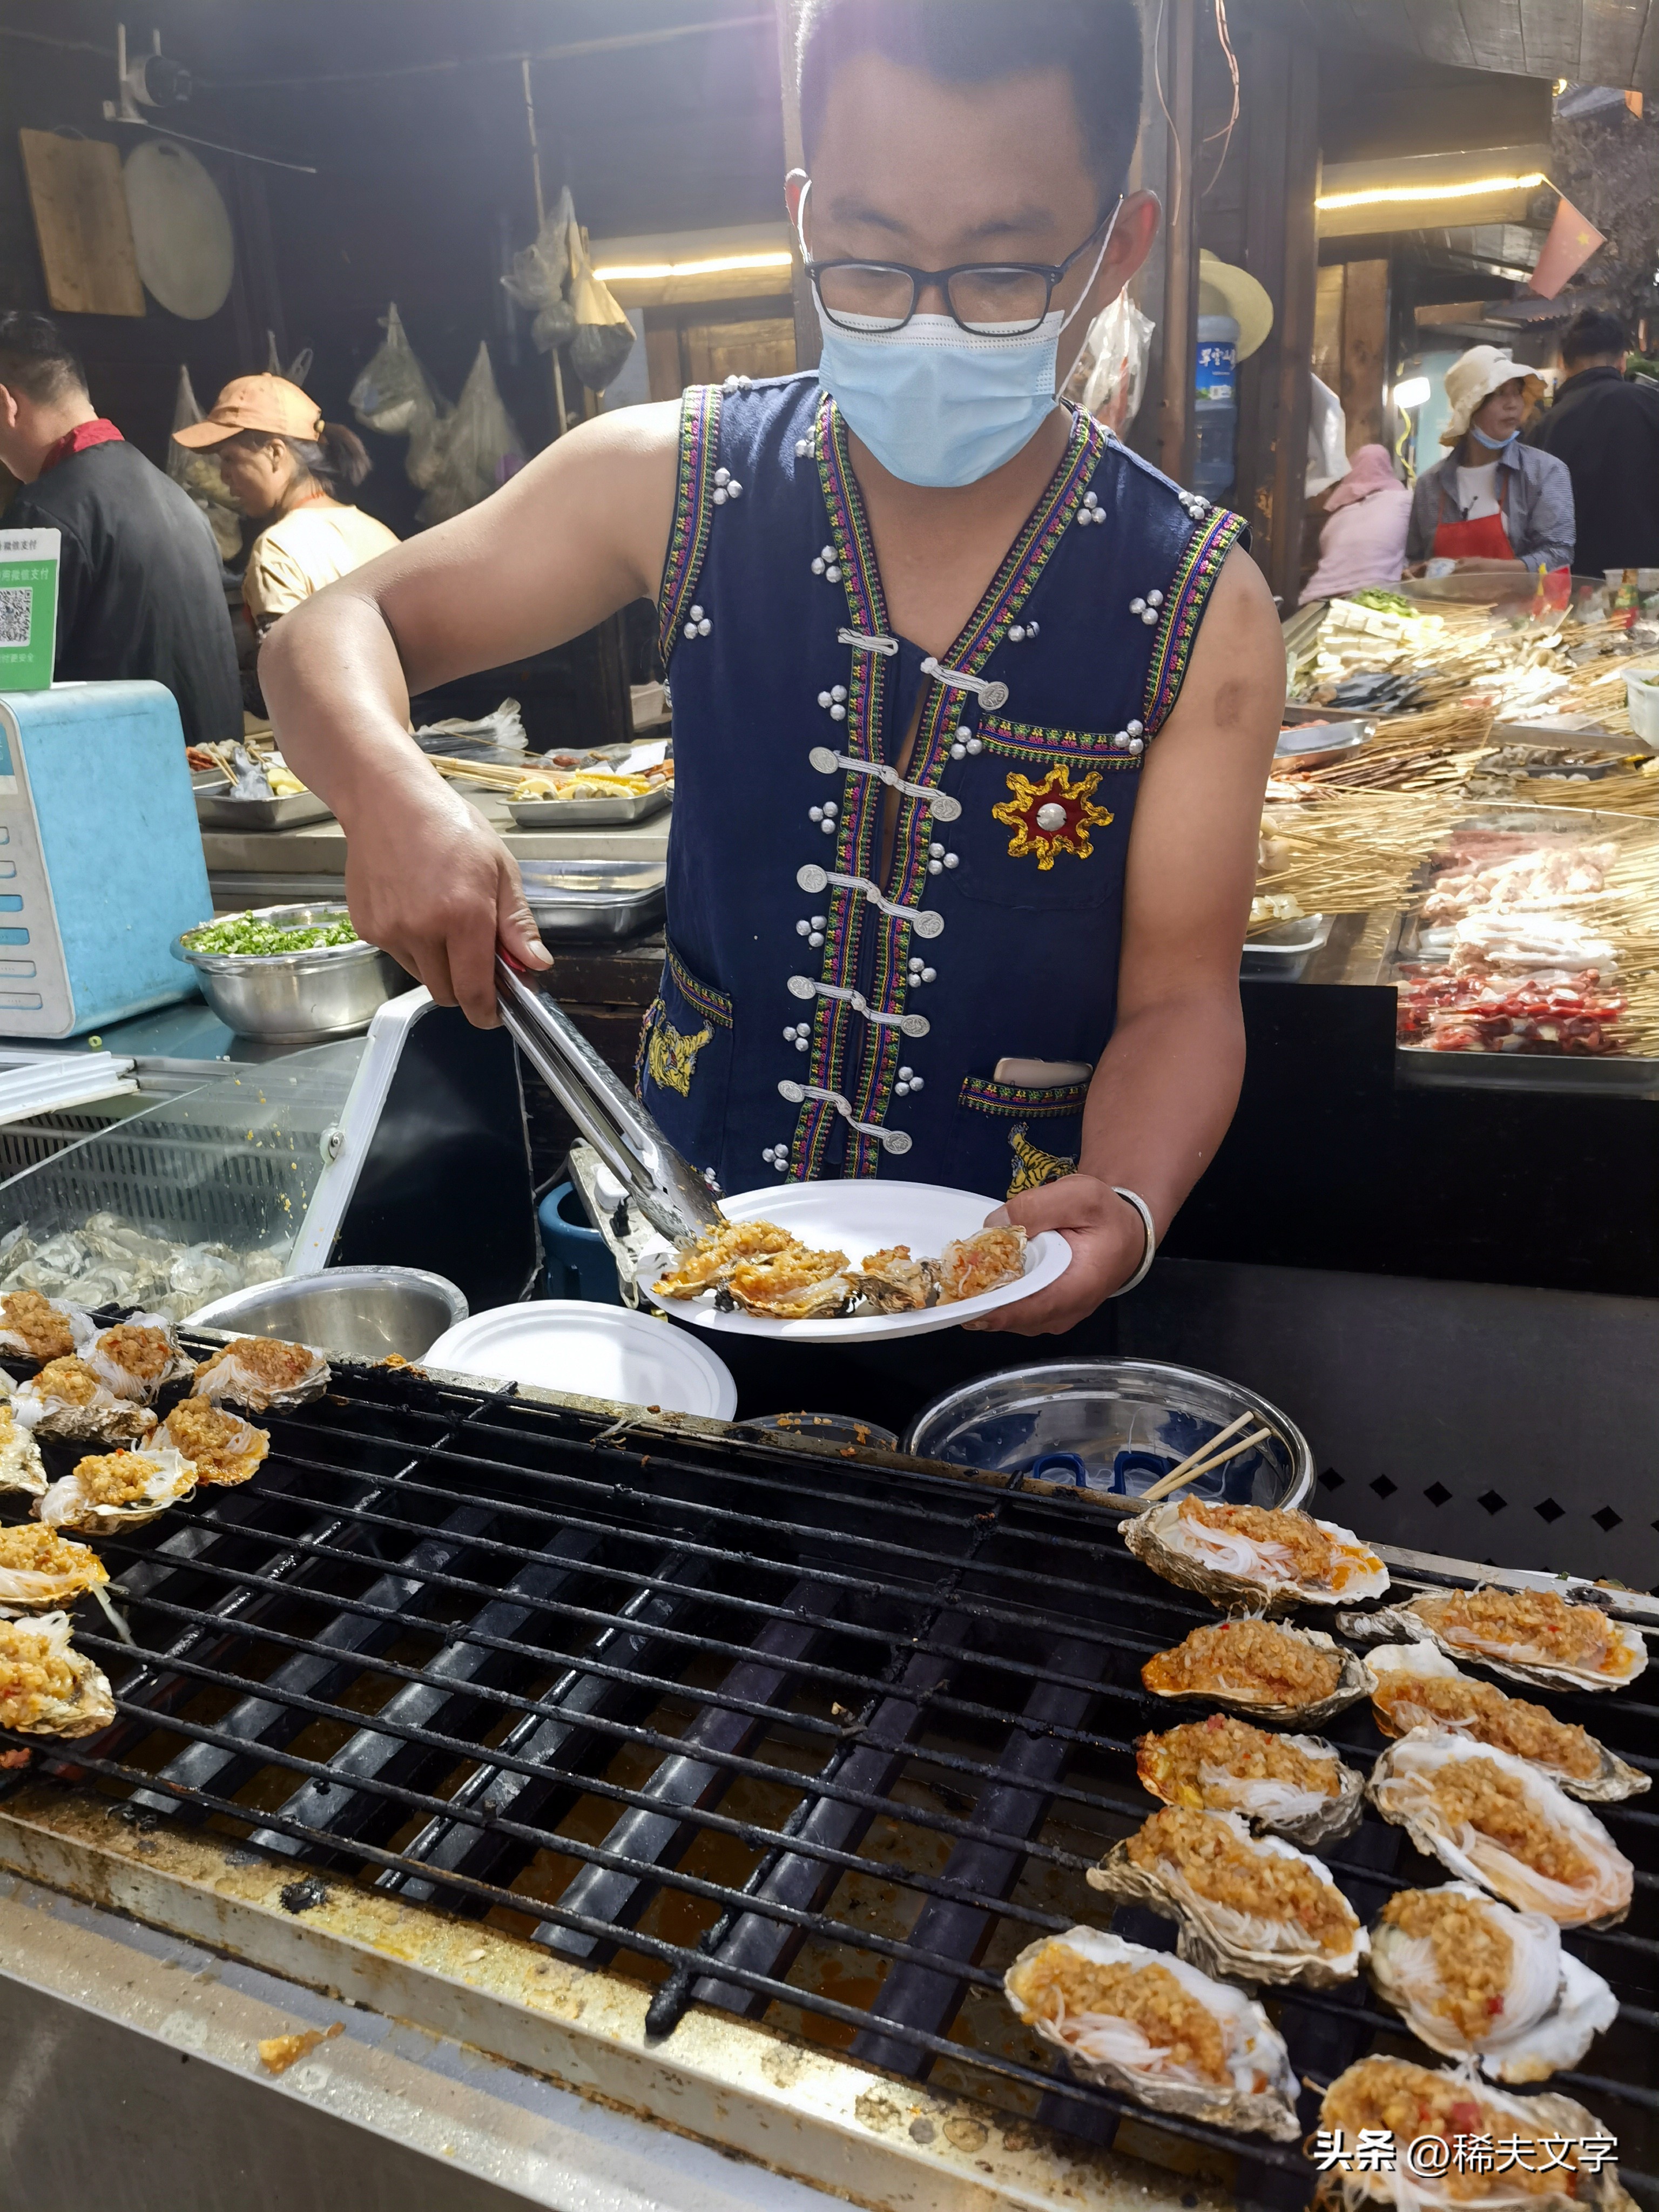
<point>935,403</point>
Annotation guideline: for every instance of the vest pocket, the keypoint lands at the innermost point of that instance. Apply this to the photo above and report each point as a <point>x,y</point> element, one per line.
<point>1049,811</point>
<point>684,1072</point>
<point>1007,1139</point>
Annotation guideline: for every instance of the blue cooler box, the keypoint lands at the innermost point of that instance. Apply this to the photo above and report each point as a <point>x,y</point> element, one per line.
<point>101,857</point>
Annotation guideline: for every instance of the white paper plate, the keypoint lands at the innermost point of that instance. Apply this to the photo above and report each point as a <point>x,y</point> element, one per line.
<point>858,1218</point>
<point>595,1351</point>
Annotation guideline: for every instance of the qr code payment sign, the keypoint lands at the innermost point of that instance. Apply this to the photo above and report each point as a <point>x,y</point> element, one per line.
<point>16,606</point>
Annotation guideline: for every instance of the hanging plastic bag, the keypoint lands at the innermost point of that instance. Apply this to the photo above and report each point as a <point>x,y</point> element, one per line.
<point>1327,438</point>
<point>540,276</point>
<point>394,395</point>
<point>1109,377</point>
<point>297,370</point>
<point>603,333</point>
<point>198,473</point>
<point>478,448</point>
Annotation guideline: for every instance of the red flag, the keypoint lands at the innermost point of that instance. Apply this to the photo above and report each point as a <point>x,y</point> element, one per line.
<point>1573,237</point>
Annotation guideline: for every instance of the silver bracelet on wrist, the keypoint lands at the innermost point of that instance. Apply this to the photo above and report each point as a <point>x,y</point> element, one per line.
<point>1134,1198</point>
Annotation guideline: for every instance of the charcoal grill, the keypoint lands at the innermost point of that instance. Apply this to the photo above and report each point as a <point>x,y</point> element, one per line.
<point>732,1730</point>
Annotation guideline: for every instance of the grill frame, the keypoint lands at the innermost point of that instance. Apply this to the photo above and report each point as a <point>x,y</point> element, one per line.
<point>619,1451</point>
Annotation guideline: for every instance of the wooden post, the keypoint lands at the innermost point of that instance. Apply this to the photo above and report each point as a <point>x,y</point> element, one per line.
<point>1176,429</point>
<point>807,335</point>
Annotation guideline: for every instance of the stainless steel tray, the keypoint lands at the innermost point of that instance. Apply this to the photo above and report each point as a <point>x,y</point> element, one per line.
<point>590,813</point>
<point>594,899</point>
<point>217,810</point>
<point>1422,1068</point>
<point>1280,954</point>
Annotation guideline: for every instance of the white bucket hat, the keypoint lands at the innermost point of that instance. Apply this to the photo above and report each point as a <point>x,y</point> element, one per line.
<point>1473,377</point>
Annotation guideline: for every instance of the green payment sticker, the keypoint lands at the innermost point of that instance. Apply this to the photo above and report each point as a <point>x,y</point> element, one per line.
<point>28,608</point>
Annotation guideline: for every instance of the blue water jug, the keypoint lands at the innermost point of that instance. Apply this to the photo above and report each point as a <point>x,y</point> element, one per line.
<point>1215,405</point>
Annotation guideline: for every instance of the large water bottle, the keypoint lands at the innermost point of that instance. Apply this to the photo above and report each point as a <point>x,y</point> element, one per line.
<point>1216,405</point>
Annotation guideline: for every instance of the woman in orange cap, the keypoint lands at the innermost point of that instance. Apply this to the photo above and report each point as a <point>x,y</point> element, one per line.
<point>279,457</point>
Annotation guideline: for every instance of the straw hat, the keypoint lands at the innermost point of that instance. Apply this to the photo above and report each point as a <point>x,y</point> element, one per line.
<point>1473,377</point>
<point>1241,296</point>
<point>271,403</point>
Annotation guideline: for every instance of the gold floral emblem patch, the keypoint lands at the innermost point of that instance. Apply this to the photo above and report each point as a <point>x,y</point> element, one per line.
<point>670,1059</point>
<point>1054,816</point>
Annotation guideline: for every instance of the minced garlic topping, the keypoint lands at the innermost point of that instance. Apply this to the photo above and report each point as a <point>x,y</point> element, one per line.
<point>1472,1955</point>
<point>31,1548</point>
<point>143,1352</point>
<point>114,1478</point>
<point>272,1362</point>
<point>1409,2101</point>
<point>1177,1761</point>
<point>1303,1550</point>
<point>70,1380</point>
<point>1482,1710</point>
<point>31,1674</point>
<point>1223,1868</point>
<point>45,1333</point>
<point>1478,1794</point>
<point>216,1443</point>
<point>1059,1984</point>
<point>1527,1624</point>
<point>1248,1659</point>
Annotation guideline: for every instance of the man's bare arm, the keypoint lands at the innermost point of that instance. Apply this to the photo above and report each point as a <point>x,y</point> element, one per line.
<point>577,534</point>
<point>1166,1087</point>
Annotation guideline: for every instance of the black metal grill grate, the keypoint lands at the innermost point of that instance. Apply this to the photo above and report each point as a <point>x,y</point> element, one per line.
<point>819,1742</point>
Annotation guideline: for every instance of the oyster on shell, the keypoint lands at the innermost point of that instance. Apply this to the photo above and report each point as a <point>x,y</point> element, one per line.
<point>970,1266</point>
<point>890,1281</point>
<point>36,1327</point>
<point>137,1356</point>
<point>1262,1669</point>
<point>1271,1558</point>
<point>47,1686</point>
<point>708,1262</point>
<point>1156,2029</point>
<point>223,1447</point>
<point>1525,1634</point>
<point>797,1285</point>
<point>67,1401</point>
<point>1491,1818</point>
<point>1251,1906</point>
<point>258,1373</point>
<point>1475,1980</point>
<point>40,1569</point>
<point>1293,1786</point>
<point>1418,1687</point>
<point>20,1465</point>
<point>1410,2102</point>
<point>111,1491</point>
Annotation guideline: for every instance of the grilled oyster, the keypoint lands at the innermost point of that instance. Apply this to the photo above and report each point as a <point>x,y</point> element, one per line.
<point>223,1447</point>
<point>1476,1980</point>
<point>1268,1557</point>
<point>706,1264</point>
<point>1262,1670</point>
<point>39,1568</point>
<point>20,1465</point>
<point>970,1266</point>
<point>36,1327</point>
<point>67,1399</point>
<point>47,1686</point>
<point>136,1357</point>
<point>797,1285</point>
<point>260,1372</point>
<point>1294,1786</point>
<point>1491,1818</point>
<point>890,1281</point>
<point>1550,2171</point>
<point>1251,1906</point>
<point>1538,1637</point>
<point>1156,2029</point>
<point>1418,1687</point>
<point>118,1490</point>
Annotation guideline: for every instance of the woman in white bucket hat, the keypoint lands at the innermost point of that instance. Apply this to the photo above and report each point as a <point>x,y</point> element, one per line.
<point>1492,502</point>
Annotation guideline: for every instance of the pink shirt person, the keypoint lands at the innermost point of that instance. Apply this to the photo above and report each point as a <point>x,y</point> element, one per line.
<point>1363,539</point>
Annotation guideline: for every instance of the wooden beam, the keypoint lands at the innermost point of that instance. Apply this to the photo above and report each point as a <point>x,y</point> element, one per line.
<point>1365,350</point>
<point>1176,424</point>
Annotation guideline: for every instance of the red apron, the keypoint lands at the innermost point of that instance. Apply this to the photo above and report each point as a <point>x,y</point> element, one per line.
<point>1483,539</point>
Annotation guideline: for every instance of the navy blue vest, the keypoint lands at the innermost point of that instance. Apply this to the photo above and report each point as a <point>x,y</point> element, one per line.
<point>811,1019</point>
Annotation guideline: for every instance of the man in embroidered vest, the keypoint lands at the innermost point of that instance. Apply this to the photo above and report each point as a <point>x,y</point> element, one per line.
<point>973,710</point>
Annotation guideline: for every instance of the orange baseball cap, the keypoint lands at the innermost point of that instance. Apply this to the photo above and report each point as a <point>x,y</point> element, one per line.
<point>257,403</point>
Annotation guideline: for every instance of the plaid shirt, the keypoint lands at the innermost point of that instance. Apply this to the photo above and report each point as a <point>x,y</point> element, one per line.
<point>1534,492</point>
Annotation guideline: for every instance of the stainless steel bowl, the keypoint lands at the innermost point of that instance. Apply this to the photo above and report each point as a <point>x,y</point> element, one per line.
<point>357,1313</point>
<point>295,998</point>
<point>1114,1424</point>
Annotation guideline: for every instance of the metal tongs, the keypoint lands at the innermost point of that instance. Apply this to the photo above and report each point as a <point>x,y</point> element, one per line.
<point>665,1186</point>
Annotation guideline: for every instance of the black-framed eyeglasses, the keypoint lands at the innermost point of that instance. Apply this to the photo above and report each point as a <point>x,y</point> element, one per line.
<point>1006,298</point>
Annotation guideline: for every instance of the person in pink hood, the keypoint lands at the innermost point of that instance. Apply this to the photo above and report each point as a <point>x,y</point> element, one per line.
<point>1363,539</point>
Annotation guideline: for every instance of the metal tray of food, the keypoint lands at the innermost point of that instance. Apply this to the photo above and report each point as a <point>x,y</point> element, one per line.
<point>215,809</point>
<point>1421,1067</point>
<point>590,813</point>
<point>1278,955</point>
<point>594,899</point>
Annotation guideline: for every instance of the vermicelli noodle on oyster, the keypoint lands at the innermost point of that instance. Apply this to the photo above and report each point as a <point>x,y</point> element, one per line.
<point>1476,1979</point>
<point>1156,2029</point>
<point>39,1569</point>
<point>47,1686</point>
<point>21,1466</point>
<point>260,1373</point>
<point>890,1281</point>
<point>1492,1819</point>
<point>1552,2167</point>
<point>36,1327</point>
<point>109,1490</point>
<point>137,1356</point>
<point>1527,1635</point>
<point>707,1264</point>
<point>796,1284</point>
<point>1261,1668</point>
<point>1268,1557</point>
<point>1248,1906</point>
<point>1294,1785</point>
<point>1418,1687</point>
<point>66,1400</point>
